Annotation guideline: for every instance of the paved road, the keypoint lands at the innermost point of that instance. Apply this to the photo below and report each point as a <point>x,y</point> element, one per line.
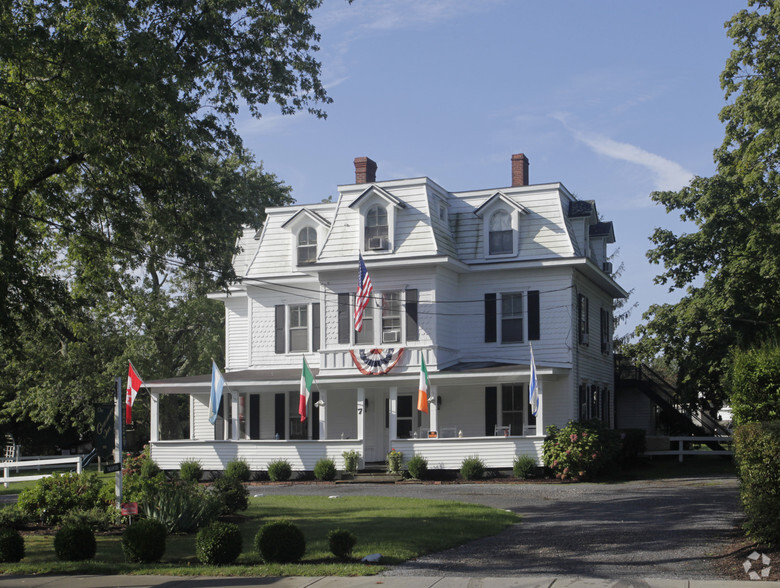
<point>670,529</point>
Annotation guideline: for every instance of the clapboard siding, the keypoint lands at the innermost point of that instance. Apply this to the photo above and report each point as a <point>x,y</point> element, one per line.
<point>448,454</point>
<point>237,332</point>
<point>201,427</point>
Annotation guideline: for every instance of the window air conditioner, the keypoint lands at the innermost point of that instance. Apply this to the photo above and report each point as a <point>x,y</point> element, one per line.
<point>376,243</point>
<point>390,336</point>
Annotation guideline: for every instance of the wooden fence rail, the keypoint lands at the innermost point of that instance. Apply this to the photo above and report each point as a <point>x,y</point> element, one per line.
<point>681,451</point>
<point>27,463</point>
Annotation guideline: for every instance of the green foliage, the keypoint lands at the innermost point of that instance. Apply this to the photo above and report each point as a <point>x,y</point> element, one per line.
<point>97,519</point>
<point>580,450</point>
<point>756,451</point>
<point>149,469</point>
<point>418,467</point>
<point>218,544</point>
<point>75,542</point>
<point>341,543</point>
<point>523,466</point>
<point>729,267</point>
<point>181,506</point>
<point>280,542</point>
<point>351,461</point>
<point>233,495</point>
<point>190,470</point>
<point>325,470</point>
<point>142,478</point>
<point>754,384</point>
<point>472,468</point>
<point>395,461</point>
<point>238,469</point>
<point>51,498</point>
<point>12,516</point>
<point>279,470</point>
<point>11,545</point>
<point>144,541</point>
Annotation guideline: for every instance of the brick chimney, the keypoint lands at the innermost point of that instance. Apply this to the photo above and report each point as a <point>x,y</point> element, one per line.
<point>519,169</point>
<point>365,170</point>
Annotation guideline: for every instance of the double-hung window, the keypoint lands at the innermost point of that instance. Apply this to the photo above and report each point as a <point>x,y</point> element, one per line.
<point>299,328</point>
<point>307,246</point>
<point>512,318</point>
<point>583,310</point>
<point>376,229</point>
<point>500,233</point>
<point>512,402</point>
<point>391,317</point>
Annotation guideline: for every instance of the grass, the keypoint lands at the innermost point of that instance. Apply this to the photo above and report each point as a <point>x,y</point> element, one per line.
<point>398,528</point>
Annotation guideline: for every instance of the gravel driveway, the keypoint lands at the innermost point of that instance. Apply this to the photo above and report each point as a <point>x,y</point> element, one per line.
<point>653,529</point>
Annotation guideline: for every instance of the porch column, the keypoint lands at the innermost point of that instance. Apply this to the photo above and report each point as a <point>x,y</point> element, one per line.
<point>154,416</point>
<point>361,412</point>
<point>393,402</point>
<point>323,414</point>
<point>540,412</point>
<point>433,409</point>
<point>234,415</point>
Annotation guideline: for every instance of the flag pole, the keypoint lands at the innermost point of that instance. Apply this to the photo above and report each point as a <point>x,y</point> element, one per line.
<point>118,440</point>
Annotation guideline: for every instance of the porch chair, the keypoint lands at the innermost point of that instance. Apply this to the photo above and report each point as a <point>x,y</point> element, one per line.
<point>502,430</point>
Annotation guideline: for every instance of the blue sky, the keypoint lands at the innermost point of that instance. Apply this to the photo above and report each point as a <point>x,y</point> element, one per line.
<point>615,99</point>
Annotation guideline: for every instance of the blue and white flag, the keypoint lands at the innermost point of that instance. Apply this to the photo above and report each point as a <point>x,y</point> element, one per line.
<point>217,383</point>
<point>533,388</point>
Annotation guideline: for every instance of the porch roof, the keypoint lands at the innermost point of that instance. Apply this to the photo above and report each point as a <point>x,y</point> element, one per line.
<point>287,378</point>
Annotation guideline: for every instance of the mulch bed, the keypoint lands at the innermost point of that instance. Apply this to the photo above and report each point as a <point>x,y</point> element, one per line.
<point>730,563</point>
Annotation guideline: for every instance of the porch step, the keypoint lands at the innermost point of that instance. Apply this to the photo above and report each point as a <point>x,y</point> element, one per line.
<point>372,478</point>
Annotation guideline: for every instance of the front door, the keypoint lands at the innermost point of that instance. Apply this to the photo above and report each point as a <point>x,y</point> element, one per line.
<point>376,427</point>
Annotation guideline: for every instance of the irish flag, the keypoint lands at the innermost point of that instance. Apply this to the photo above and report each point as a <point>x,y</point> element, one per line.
<point>307,378</point>
<point>422,394</point>
<point>134,383</point>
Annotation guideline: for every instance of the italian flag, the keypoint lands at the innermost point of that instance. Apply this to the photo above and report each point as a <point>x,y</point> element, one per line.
<point>307,378</point>
<point>422,394</point>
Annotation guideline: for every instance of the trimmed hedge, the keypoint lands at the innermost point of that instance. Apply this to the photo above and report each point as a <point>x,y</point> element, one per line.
<point>341,542</point>
<point>280,542</point>
<point>11,545</point>
<point>218,544</point>
<point>144,541</point>
<point>75,542</point>
<point>756,451</point>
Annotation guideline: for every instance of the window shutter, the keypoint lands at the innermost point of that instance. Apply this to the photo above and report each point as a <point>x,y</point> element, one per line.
<point>412,328</point>
<point>491,410</point>
<point>343,318</point>
<point>534,330</point>
<point>279,328</point>
<point>490,318</point>
<point>315,326</point>
<point>315,415</point>
<point>279,415</point>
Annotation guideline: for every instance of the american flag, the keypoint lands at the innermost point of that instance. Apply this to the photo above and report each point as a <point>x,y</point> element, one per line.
<point>364,290</point>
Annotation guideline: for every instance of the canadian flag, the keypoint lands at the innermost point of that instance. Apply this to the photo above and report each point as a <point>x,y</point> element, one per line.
<point>134,383</point>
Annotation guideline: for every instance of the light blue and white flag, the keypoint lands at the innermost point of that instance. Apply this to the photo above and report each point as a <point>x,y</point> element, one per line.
<point>533,388</point>
<point>217,383</point>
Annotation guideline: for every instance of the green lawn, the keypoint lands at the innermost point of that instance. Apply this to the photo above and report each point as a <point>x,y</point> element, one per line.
<point>398,528</point>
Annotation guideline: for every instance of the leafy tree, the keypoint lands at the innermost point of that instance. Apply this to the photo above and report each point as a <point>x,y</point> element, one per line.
<point>124,184</point>
<point>730,264</point>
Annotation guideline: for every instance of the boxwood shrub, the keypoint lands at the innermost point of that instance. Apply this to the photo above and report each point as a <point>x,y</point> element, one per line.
<point>279,470</point>
<point>75,542</point>
<point>418,467</point>
<point>341,542</point>
<point>472,468</point>
<point>325,470</point>
<point>190,470</point>
<point>218,544</point>
<point>144,541</point>
<point>11,545</point>
<point>280,542</point>
<point>238,469</point>
<point>232,493</point>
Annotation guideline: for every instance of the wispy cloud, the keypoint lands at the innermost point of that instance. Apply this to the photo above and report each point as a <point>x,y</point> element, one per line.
<point>667,174</point>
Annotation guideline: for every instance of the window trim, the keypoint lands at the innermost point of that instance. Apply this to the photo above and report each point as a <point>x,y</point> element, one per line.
<point>299,246</point>
<point>504,232</point>
<point>283,326</point>
<point>516,316</point>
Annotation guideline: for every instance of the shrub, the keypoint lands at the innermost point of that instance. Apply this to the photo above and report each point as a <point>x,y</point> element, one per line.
<point>472,468</point>
<point>231,493</point>
<point>279,470</point>
<point>11,516</point>
<point>190,470</point>
<point>238,469</point>
<point>182,507</point>
<point>351,461</point>
<point>50,498</point>
<point>754,381</point>
<point>325,469</point>
<point>144,541</point>
<point>11,545</point>
<point>395,460</point>
<point>280,542</point>
<point>580,450</point>
<point>149,468</point>
<point>756,447</point>
<point>418,467</point>
<point>97,519</point>
<point>75,542</point>
<point>341,542</point>
<point>141,481</point>
<point>218,544</point>
<point>523,466</point>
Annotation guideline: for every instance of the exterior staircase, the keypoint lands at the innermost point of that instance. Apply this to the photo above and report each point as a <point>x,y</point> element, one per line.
<point>685,421</point>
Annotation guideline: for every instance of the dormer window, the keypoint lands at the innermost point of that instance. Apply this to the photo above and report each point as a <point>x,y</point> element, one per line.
<point>376,229</point>
<point>307,246</point>
<point>500,233</point>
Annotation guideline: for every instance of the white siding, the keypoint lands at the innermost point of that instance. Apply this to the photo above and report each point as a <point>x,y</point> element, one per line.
<point>237,332</point>
<point>202,429</point>
<point>448,454</point>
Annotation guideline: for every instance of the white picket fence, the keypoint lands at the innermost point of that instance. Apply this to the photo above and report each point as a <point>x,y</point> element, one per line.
<point>37,463</point>
<point>682,441</point>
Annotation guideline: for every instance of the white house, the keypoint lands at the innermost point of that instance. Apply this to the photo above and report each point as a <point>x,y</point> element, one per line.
<point>465,280</point>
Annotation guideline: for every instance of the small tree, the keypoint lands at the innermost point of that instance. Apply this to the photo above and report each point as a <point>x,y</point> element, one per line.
<point>754,382</point>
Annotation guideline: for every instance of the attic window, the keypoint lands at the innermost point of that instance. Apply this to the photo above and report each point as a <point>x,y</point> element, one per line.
<point>307,246</point>
<point>500,233</point>
<point>376,229</point>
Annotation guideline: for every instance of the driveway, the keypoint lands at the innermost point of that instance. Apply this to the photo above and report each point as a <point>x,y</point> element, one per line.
<point>671,529</point>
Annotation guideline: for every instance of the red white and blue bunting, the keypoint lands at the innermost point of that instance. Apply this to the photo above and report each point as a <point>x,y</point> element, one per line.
<point>374,362</point>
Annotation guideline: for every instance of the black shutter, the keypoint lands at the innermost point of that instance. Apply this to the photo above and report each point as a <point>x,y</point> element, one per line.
<point>412,329</point>
<point>343,318</point>
<point>533,315</point>
<point>315,326</point>
<point>279,415</point>
<point>279,328</point>
<point>490,318</point>
<point>254,416</point>
<point>491,410</point>
<point>315,416</point>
